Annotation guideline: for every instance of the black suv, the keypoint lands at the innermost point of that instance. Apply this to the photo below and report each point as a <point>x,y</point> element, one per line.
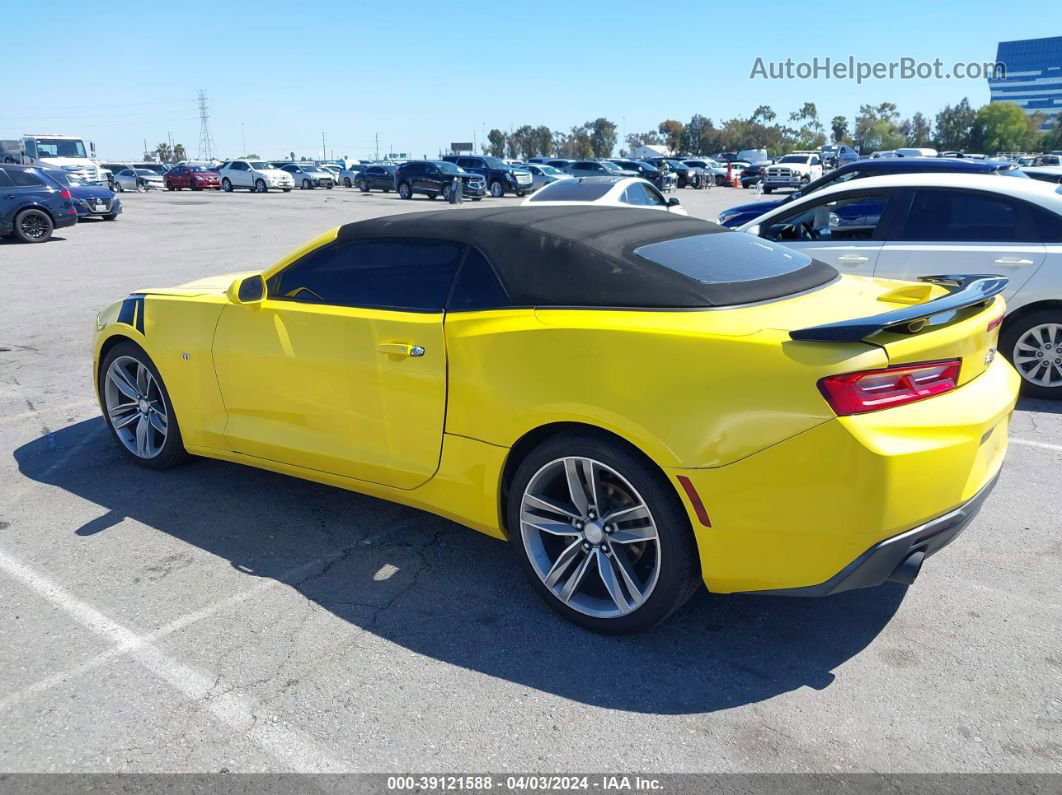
<point>434,177</point>
<point>682,171</point>
<point>500,176</point>
<point>32,204</point>
<point>375,177</point>
<point>644,170</point>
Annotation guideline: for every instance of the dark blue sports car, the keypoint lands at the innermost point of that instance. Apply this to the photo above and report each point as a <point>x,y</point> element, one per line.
<point>89,200</point>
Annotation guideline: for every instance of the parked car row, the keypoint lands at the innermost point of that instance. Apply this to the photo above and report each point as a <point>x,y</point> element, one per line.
<point>34,202</point>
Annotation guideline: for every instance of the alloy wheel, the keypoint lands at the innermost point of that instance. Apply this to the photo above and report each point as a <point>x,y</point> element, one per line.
<point>1038,355</point>
<point>590,537</point>
<point>136,407</point>
<point>34,225</point>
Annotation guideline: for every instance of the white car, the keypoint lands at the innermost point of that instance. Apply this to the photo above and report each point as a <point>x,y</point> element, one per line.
<point>609,191</point>
<point>137,179</point>
<point>255,175</point>
<point>794,170</point>
<point>922,224</point>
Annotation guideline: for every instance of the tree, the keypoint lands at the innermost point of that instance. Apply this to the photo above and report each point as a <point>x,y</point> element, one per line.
<point>179,153</point>
<point>495,143</point>
<point>875,127</point>
<point>810,133</point>
<point>164,153</point>
<point>602,133</point>
<point>916,131</point>
<point>561,145</point>
<point>521,143</point>
<point>635,140</point>
<point>1052,139</point>
<point>671,131</point>
<point>839,129</point>
<point>579,143</point>
<point>697,136</point>
<point>762,115</point>
<point>541,141</point>
<point>999,127</point>
<point>954,125</point>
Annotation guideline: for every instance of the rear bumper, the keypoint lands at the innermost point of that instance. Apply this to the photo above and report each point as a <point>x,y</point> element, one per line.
<point>899,558</point>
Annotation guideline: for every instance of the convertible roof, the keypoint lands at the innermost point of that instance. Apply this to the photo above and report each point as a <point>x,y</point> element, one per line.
<point>585,256</point>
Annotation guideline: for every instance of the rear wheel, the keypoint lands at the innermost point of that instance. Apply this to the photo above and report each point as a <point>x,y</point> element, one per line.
<point>1033,344</point>
<point>306,184</point>
<point>137,408</point>
<point>33,226</point>
<point>601,534</point>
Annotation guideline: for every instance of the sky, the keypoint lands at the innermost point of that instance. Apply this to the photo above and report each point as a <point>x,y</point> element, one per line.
<point>279,74</point>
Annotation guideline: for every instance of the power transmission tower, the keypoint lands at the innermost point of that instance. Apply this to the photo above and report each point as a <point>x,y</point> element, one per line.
<point>206,140</point>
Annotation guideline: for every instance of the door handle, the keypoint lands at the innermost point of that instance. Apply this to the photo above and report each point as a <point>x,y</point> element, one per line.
<point>853,259</point>
<point>1012,261</point>
<point>400,349</point>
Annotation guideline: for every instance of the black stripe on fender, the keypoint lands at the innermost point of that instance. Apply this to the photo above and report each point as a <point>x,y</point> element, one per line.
<point>132,312</point>
<point>139,299</point>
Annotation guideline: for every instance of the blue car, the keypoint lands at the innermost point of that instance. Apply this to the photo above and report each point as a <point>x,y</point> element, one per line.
<point>32,204</point>
<point>89,200</point>
<point>743,213</point>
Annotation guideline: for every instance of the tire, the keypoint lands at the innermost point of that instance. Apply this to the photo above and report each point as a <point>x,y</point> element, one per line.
<point>1033,344</point>
<point>329,186</point>
<point>664,565</point>
<point>520,194</point>
<point>111,217</point>
<point>260,186</point>
<point>477,198</point>
<point>404,190</point>
<point>118,187</point>
<point>158,449</point>
<point>433,195</point>
<point>193,186</point>
<point>226,185</point>
<point>497,190</point>
<point>386,190</point>
<point>346,182</point>
<point>286,190</point>
<point>364,187</point>
<point>766,189</point>
<point>33,226</point>
<point>170,187</point>
<point>306,184</point>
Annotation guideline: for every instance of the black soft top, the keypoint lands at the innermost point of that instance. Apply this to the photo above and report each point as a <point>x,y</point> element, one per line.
<point>585,256</point>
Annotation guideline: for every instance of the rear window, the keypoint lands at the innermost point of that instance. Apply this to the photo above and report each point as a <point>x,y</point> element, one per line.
<point>569,190</point>
<point>725,257</point>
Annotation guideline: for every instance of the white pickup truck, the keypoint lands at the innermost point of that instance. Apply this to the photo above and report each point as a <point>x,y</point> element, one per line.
<point>793,171</point>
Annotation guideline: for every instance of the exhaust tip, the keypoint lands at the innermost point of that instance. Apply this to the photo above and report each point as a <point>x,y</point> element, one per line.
<point>907,571</point>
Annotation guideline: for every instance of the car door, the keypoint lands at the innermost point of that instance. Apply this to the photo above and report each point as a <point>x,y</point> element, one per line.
<point>244,175</point>
<point>342,368</point>
<point>952,230</point>
<point>842,229</point>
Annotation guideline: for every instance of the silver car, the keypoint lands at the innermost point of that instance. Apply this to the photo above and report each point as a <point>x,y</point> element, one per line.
<point>137,179</point>
<point>308,175</point>
<point>542,174</point>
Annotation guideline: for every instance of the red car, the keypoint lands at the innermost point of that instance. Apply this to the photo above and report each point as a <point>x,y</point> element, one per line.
<point>193,177</point>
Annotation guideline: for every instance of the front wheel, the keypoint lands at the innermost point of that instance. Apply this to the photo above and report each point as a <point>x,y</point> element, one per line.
<point>601,534</point>
<point>286,190</point>
<point>404,191</point>
<point>118,187</point>
<point>260,186</point>
<point>138,409</point>
<point>766,189</point>
<point>497,190</point>
<point>346,182</point>
<point>364,187</point>
<point>306,184</point>
<point>1033,344</point>
<point>226,185</point>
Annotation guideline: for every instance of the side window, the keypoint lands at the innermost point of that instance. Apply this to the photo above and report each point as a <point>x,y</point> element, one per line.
<point>466,162</point>
<point>1049,224</point>
<point>959,216</point>
<point>631,196</point>
<point>412,275</point>
<point>5,180</point>
<point>850,218</point>
<point>25,179</point>
<point>477,287</point>
<point>652,196</point>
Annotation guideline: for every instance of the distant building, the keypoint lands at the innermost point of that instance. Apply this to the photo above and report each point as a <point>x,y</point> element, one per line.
<point>1034,76</point>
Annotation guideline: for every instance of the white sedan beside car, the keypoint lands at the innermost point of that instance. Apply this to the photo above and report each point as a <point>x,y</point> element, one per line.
<point>255,175</point>
<point>607,191</point>
<point>911,225</point>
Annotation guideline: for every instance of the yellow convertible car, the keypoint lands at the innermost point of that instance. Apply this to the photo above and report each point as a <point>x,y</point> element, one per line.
<point>639,404</point>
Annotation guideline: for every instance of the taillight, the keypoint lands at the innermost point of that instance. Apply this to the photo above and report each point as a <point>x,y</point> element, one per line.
<point>65,194</point>
<point>995,323</point>
<point>873,390</point>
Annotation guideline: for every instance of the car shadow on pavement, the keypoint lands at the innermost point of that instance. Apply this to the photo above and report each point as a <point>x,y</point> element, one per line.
<point>455,595</point>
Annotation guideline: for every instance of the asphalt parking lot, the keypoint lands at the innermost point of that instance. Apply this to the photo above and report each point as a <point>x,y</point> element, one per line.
<point>216,617</point>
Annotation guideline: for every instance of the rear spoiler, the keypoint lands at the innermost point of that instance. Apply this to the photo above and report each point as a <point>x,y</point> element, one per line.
<point>965,291</point>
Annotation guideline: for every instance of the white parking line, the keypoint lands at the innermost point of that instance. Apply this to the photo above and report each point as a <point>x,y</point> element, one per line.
<point>290,747</point>
<point>1041,445</point>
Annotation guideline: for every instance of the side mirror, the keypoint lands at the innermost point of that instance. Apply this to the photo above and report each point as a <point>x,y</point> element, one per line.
<point>249,290</point>
<point>673,202</point>
<point>92,148</point>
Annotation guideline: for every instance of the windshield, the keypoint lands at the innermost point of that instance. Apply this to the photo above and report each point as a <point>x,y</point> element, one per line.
<point>794,159</point>
<point>495,162</point>
<point>57,147</point>
<point>611,166</point>
<point>449,168</point>
<point>145,172</point>
<point>569,190</point>
<point>259,165</point>
<point>677,164</point>
<point>198,169</point>
<point>549,170</point>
